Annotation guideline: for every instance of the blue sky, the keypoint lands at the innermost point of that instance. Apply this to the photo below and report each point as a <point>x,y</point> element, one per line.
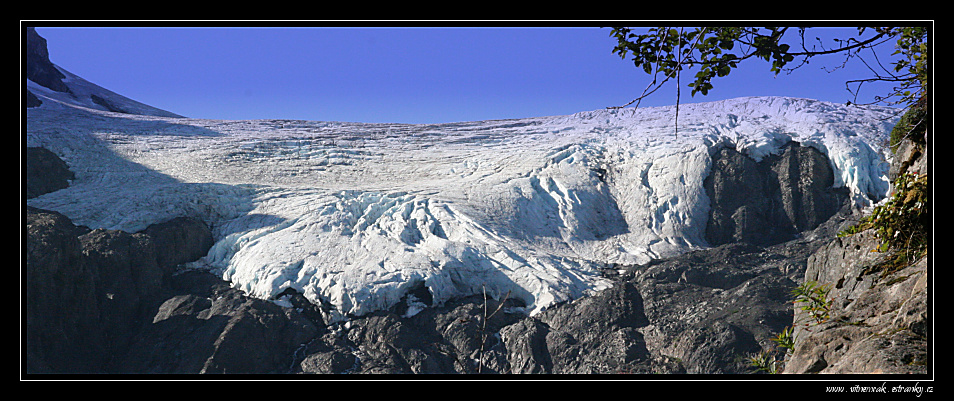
<point>398,74</point>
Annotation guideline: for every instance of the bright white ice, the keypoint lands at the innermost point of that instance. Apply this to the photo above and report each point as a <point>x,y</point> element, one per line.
<point>355,215</point>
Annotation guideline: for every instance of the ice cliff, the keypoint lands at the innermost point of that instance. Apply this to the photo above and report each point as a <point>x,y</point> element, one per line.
<point>355,216</point>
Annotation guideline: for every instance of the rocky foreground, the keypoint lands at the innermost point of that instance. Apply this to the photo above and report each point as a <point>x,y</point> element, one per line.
<point>101,301</point>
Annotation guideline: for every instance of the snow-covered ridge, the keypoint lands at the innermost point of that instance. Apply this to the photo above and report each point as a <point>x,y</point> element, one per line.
<point>84,92</point>
<point>355,215</point>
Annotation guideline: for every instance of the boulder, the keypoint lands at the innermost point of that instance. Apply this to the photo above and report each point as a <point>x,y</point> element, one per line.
<point>460,336</point>
<point>598,334</point>
<point>205,326</point>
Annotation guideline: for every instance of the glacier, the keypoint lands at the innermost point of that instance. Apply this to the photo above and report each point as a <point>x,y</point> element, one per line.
<point>357,216</point>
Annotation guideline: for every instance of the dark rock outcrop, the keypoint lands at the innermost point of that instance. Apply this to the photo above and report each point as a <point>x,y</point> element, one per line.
<point>107,301</point>
<point>204,326</point>
<point>703,312</point>
<point>32,100</point>
<point>39,69</point>
<point>87,290</point>
<point>452,338</point>
<point>63,333</point>
<point>45,172</point>
<point>598,334</point>
<point>109,106</point>
<point>771,201</point>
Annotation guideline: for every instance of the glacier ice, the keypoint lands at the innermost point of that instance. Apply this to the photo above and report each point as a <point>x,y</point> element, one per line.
<point>356,215</point>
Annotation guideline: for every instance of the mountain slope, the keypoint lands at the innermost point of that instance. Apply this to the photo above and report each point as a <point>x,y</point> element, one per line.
<point>50,84</point>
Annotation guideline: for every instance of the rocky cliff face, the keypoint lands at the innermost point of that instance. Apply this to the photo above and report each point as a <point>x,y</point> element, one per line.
<point>702,312</point>
<point>877,324</point>
<point>771,201</point>
<point>87,291</point>
<point>39,69</point>
<point>878,320</point>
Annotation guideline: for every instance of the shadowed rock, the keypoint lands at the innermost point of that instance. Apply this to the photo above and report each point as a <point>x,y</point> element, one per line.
<point>771,201</point>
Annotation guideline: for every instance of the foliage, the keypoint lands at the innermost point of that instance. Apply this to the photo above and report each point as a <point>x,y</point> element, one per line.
<point>912,125</point>
<point>913,44</point>
<point>814,299</point>
<point>901,224</point>
<point>786,339</point>
<point>483,327</point>
<point>765,361</point>
<point>715,51</point>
